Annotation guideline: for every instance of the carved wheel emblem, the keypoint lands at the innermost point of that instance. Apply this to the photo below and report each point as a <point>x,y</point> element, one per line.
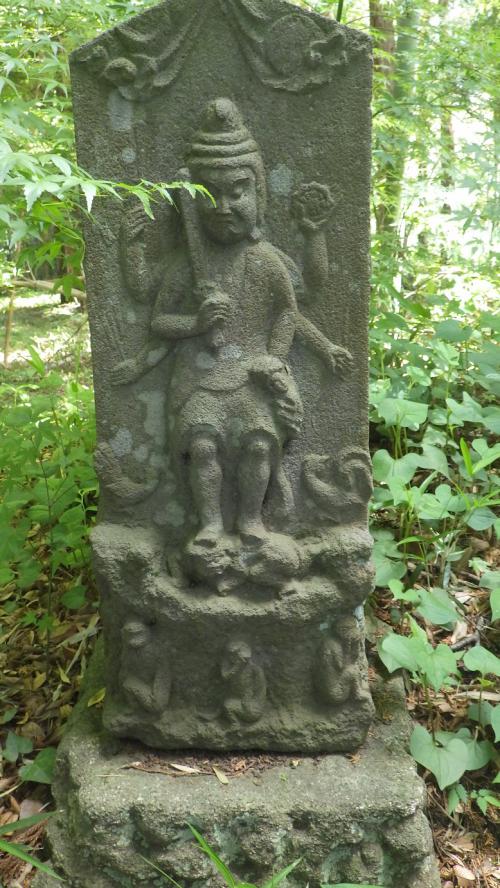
<point>289,44</point>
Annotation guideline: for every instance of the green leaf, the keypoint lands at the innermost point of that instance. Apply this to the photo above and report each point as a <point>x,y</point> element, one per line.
<point>400,412</point>
<point>468,411</point>
<point>25,823</point>
<point>6,576</point>
<point>467,456</point>
<point>74,598</point>
<point>163,873</point>
<point>36,360</point>
<point>447,763</point>
<point>434,458</point>
<point>16,746</point>
<point>479,752</point>
<point>453,331</point>
<point>491,419</point>
<point>437,607</point>
<point>385,467</point>
<point>495,722</point>
<point>479,659</point>
<point>8,715</point>
<point>456,795</point>
<point>281,876</point>
<point>90,192</point>
<point>218,863</point>
<point>438,665</point>
<point>398,652</point>
<point>481,713</point>
<point>19,852</point>
<point>41,770</point>
<point>495,604</point>
<point>481,518</point>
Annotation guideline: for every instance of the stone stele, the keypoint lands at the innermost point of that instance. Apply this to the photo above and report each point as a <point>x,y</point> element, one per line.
<point>230,357</point>
<point>229,345</point>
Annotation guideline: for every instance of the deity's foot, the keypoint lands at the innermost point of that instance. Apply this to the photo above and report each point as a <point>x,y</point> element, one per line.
<point>209,535</point>
<point>253,533</point>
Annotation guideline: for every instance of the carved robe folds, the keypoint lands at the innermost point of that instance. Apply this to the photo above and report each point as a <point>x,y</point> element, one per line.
<point>229,341</point>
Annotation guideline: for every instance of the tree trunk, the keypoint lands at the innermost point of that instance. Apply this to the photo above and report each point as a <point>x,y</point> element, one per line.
<point>398,78</point>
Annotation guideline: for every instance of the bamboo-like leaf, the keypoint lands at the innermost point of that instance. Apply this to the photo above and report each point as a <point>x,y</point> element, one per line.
<point>19,852</point>
<point>218,863</point>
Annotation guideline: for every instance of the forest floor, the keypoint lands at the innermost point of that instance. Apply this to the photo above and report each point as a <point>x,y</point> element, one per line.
<point>42,666</point>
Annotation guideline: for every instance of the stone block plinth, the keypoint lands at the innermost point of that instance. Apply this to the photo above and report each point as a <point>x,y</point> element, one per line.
<point>351,819</point>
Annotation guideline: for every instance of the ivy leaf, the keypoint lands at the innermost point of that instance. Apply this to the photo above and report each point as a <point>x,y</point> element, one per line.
<point>447,763</point>
<point>481,713</point>
<point>479,752</point>
<point>41,770</point>
<point>437,607</point>
<point>438,665</point>
<point>453,331</point>
<point>434,458</point>
<point>468,411</point>
<point>495,721</point>
<point>398,652</point>
<point>385,467</point>
<point>15,746</point>
<point>482,518</point>
<point>479,659</point>
<point>400,412</point>
<point>491,419</point>
<point>495,604</point>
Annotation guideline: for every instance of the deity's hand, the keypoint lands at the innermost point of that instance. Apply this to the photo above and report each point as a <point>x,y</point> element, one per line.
<point>134,221</point>
<point>312,205</point>
<point>340,360</point>
<point>126,372</point>
<point>271,373</point>
<point>276,377</point>
<point>214,311</point>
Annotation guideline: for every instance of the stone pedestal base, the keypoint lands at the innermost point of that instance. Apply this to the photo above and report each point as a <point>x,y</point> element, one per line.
<point>358,820</point>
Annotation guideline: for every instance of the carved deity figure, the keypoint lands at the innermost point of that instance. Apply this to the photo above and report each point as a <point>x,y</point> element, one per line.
<point>231,308</point>
<point>145,679</point>
<point>226,307</point>
<point>338,677</point>
<point>244,684</point>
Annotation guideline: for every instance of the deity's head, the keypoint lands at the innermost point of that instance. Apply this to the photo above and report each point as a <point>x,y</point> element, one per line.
<point>225,159</point>
<point>135,635</point>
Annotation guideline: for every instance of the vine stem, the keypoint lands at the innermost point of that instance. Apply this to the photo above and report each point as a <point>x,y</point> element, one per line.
<point>340,9</point>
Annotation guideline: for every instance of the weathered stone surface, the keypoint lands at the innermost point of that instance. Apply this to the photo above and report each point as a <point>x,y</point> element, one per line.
<point>230,360</point>
<point>359,820</point>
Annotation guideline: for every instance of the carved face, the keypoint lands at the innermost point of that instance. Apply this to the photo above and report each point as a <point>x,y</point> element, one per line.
<point>234,216</point>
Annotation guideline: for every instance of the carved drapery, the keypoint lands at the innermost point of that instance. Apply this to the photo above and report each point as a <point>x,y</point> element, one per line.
<point>286,50</point>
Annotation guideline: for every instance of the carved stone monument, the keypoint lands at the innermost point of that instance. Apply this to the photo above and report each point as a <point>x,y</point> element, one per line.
<point>230,351</point>
<point>229,341</point>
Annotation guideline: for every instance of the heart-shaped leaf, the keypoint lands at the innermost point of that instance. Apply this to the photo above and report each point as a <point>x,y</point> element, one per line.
<point>447,763</point>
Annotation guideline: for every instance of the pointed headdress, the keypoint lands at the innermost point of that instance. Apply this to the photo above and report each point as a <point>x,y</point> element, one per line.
<point>223,141</point>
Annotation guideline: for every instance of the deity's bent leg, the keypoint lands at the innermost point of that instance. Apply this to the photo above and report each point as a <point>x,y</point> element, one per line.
<point>206,485</point>
<point>254,477</point>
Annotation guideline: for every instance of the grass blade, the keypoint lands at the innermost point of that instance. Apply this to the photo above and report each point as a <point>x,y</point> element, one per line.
<point>19,852</point>
<point>280,877</point>
<point>224,871</point>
